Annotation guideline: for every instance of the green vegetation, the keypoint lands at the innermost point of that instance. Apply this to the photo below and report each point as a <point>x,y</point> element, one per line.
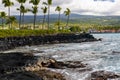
<point>22,33</point>
<point>48,3</point>
<point>58,8</point>
<point>21,9</point>
<point>34,9</point>
<point>44,9</point>
<point>67,13</point>
<point>66,22</point>
<point>8,3</point>
<point>2,16</point>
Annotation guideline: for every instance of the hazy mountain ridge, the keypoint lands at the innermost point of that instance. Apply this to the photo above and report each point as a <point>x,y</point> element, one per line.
<point>78,19</point>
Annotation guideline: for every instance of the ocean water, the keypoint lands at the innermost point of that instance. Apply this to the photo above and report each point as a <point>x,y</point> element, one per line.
<point>100,55</point>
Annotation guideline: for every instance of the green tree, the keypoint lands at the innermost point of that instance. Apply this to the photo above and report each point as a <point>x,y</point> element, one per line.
<point>44,10</point>
<point>34,9</point>
<point>49,3</point>
<point>58,8</point>
<point>21,4</point>
<point>67,13</point>
<point>8,3</point>
<point>3,16</point>
<point>23,10</point>
<point>11,20</point>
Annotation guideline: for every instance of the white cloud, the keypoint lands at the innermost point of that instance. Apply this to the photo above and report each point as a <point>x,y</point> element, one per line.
<point>84,7</point>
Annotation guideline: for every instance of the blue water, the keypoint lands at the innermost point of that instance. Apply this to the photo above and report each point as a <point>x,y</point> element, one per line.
<point>100,55</point>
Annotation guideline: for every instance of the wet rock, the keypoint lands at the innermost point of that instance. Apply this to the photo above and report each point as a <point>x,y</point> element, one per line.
<point>49,75</point>
<point>12,42</point>
<point>16,60</point>
<point>21,76</point>
<point>38,75</point>
<point>104,75</point>
<point>67,64</point>
<point>115,53</point>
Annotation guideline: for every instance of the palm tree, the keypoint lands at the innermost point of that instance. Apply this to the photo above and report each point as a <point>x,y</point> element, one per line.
<point>67,13</point>
<point>22,10</point>
<point>11,20</point>
<point>49,3</point>
<point>8,3</point>
<point>58,8</point>
<point>44,9</point>
<point>2,16</point>
<point>21,3</point>
<point>34,9</point>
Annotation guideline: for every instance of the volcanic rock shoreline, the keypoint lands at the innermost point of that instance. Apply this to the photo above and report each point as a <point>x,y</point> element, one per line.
<point>12,42</point>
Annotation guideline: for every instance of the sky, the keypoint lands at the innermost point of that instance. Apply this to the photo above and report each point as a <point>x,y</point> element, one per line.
<point>82,7</point>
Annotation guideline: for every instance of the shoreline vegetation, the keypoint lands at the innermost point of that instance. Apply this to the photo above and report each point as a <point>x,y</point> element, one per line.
<point>12,41</point>
<point>25,33</point>
<point>10,21</point>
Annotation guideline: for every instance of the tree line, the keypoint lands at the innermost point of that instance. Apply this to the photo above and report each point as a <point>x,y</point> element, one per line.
<point>8,19</point>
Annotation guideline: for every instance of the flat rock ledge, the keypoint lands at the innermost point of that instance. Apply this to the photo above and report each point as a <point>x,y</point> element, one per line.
<point>10,62</point>
<point>12,42</point>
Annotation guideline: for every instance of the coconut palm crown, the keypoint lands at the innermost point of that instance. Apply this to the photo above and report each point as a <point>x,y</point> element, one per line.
<point>44,10</point>
<point>21,2</point>
<point>48,3</point>
<point>3,16</point>
<point>58,8</point>
<point>8,3</point>
<point>67,13</point>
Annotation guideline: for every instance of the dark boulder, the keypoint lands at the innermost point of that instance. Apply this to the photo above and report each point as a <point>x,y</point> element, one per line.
<point>104,75</point>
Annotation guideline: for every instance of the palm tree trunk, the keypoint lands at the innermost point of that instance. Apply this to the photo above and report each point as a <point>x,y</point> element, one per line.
<point>20,20</point>
<point>9,16</point>
<point>34,21</point>
<point>48,16</point>
<point>23,19</point>
<point>2,24</point>
<point>59,21</point>
<point>43,21</point>
<point>67,21</point>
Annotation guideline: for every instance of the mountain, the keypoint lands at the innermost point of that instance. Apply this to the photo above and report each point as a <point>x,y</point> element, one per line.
<point>78,19</point>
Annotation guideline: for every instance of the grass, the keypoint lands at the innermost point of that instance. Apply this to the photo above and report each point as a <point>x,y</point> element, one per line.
<point>22,33</point>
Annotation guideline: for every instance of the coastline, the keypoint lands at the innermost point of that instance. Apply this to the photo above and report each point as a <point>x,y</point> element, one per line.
<point>12,42</point>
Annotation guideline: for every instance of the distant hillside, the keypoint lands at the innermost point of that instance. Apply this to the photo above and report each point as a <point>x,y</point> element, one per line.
<point>79,19</point>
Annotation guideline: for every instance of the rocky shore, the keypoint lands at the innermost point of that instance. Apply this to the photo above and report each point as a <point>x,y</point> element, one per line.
<point>11,68</point>
<point>12,42</point>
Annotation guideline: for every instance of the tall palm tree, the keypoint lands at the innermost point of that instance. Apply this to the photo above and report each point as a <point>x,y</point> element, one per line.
<point>67,13</point>
<point>8,3</point>
<point>58,8</point>
<point>34,9</point>
<point>21,3</point>
<point>11,20</point>
<point>2,16</point>
<point>22,10</point>
<point>49,3</point>
<point>44,9</point>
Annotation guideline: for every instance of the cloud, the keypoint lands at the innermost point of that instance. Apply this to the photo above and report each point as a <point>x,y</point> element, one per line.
<point>106,0</point>
<point>84,7</point>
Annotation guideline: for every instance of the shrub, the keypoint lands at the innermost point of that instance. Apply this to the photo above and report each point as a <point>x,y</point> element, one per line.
<point>75,29</point>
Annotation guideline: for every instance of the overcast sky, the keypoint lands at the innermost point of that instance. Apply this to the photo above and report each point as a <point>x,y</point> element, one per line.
<point>83,7</point>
